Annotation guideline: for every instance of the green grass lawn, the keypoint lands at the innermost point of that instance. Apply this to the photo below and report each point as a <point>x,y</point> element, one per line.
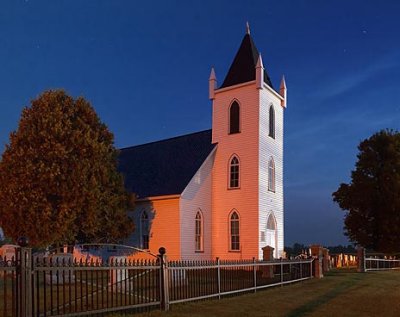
<point>339,293</point>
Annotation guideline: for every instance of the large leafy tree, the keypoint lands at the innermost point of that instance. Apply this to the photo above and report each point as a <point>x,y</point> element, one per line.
<point>372,198</point>
<point>58,176</point>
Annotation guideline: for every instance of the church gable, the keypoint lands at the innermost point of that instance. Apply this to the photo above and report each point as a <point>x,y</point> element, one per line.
<point>196,213</point>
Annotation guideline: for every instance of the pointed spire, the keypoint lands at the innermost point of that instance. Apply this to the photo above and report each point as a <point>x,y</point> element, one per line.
<point>243,67</point>
<point>212,84</point>
<point>283,92</point>
<point>259,73</point>
<point>247,28</point>
<point>283,83</point>
<point>212,74</point>
<point>259,62</point>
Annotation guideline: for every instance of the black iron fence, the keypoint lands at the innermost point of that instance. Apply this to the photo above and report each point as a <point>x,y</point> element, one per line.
<point>69,287</point>
<point>8,289</point>
<point>62,286</point>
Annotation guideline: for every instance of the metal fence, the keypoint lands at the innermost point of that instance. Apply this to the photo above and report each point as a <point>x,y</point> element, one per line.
<point>378,264</point>
<point>39,286</point>
<point>195,280</point>
<point>71,287</point>
<point>52,287</point>
<point>8,289</point>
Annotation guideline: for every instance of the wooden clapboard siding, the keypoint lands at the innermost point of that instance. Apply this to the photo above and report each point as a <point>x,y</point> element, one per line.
<point>245,146</point>
<point>164,224</point>
<point>271,202</point>
<point>197,196</point>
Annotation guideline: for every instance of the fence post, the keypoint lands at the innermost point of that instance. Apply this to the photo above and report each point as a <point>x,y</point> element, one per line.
<point>361,259</point>
<point>255,274</point>
<point>268,256</point>
<point>164,300</point>
<point>325,260</point>
<point>301,273</point>
<point>24,272</point>
<point>219,278</point>
<point>316,252</point>
<point>281,273</point>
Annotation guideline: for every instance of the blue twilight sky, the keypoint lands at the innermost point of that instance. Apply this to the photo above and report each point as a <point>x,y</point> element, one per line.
<point>144,65</point>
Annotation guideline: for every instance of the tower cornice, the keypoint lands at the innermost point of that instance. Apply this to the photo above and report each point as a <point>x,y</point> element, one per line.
<point>249,83</point>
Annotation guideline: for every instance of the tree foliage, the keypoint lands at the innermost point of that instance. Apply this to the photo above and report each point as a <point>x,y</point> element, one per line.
<point>58,176</point>
<point>341,249</point>
<point>372,198</point>
<point>299,248</point>
<point>296,249</point>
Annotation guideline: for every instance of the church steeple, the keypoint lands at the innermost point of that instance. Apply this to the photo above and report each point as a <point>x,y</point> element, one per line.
<point>243,68</point>
<point>247,172</point>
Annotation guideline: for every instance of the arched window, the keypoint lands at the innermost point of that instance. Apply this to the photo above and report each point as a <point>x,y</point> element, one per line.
<point>271,175</point>
<point>234,232</point>
<point>199,232</point>
<point>234,118</point>
<point>234,172</point>
<point>144,230</point>
<point>271,238</point>
<point>271,122</point>
<point>271,222</point>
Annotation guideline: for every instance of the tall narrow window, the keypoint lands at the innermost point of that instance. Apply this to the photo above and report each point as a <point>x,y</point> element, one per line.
<point>234,232</point>
<point>144,228</point>
<point>271,233</point>
<point>234,173</point>
<point>271,122</point>
<point>234,118</point>
<point>271,175</point>
<point>199,232</point>
<point>271,222</point>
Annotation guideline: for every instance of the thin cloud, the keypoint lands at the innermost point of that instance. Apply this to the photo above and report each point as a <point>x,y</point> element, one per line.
<point>349,81</point>
<point>353,117</point>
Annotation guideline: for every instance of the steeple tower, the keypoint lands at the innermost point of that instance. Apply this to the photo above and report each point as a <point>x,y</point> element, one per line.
<point>247,188</point>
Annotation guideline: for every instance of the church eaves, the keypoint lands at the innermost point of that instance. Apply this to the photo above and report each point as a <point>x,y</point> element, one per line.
<point>243,66</point>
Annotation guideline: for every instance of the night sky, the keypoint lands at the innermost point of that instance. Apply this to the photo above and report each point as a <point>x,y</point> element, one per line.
<point>144,66</point>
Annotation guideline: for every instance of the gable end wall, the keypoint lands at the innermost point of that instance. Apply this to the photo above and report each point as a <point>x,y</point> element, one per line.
<point>197,196</point>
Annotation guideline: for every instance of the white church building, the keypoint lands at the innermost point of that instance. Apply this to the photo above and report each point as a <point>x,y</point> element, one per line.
<point>219,192</point>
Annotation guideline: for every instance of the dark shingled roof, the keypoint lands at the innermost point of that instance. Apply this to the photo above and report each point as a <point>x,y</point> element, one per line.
<point>164,167</point>
<point>243,66</point>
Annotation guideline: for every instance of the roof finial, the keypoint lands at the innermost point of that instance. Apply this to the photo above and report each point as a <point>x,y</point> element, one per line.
<point>259,73</point>
<point>212,84</point>
<point>247,28</point>
<point>283,92</point>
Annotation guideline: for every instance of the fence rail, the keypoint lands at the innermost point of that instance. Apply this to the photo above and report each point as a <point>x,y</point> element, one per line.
<point>71,287</point>
<point>61,286</point>
<point>197,280</point>
<point>58,285</point>
<point>377,264</point>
